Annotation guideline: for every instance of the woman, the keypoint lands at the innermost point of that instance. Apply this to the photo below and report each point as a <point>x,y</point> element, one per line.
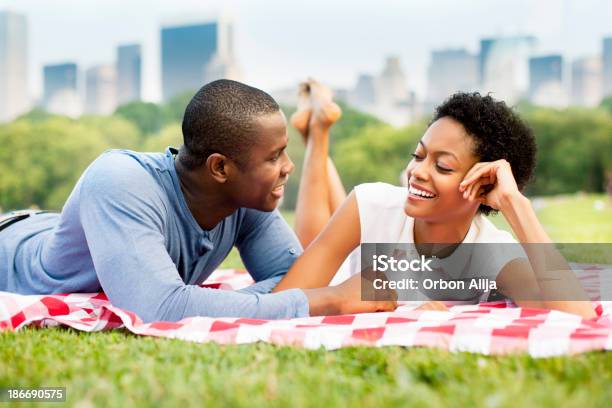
<point>475,158</point>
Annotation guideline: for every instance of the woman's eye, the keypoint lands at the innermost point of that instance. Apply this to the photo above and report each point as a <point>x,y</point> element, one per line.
<point>416,156</point>
<point>443,169</point>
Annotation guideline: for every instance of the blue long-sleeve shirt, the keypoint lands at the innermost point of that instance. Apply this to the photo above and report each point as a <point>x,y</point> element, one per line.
<point>126,229</point>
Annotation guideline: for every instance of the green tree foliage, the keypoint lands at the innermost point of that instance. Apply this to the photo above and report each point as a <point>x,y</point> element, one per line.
<point>170,135</point>
<point>175,107</point>
<point>43,155</point>
<point>41,161</point>
<point>574,150</point>
<point>606,104</point>
<point>148,117</point>
<point>351,123</point>
<point>376,153</point>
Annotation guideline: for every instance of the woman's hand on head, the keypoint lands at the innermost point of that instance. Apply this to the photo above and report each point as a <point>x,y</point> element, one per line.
<point>490,183</point>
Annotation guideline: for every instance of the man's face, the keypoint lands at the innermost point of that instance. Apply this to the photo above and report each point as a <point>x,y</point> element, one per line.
<point>260,183</point>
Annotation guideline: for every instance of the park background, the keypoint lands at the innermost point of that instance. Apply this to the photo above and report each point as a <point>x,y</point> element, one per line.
<point>57,132</point>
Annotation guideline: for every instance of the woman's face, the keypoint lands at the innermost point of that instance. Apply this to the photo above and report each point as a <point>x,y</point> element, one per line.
<point>441,160</point>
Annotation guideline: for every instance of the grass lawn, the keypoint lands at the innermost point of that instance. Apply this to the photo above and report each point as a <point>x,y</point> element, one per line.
<point>121,369</point>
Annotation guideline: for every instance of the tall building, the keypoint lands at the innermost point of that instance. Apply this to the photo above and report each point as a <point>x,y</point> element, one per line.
<point>546,81</point>
<point>364,95</point>
<point>391,85</point>
<point>222,67</point>
<point>186,52</point>
<point>13,66</point>
<point>60,90</point>
<point>223,64</point>
<point>129,69</point>
<point>450,71</point>
<point>607,66</point>
<point>586,81</point>
<point>101,90</point>
<point>504,66</point>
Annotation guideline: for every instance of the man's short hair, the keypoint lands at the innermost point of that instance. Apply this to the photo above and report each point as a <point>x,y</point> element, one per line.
<point>220,118</point>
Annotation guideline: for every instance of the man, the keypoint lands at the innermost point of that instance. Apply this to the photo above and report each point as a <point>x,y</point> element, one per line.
<point>147,228</point>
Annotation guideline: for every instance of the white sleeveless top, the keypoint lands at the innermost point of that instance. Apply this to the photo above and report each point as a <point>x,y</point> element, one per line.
<point>383,220</point>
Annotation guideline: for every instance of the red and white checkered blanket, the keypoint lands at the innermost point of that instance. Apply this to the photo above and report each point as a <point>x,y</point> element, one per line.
<point>488,328</point>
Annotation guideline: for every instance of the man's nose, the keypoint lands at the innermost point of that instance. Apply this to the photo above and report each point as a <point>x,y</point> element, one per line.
<point>289,166</point>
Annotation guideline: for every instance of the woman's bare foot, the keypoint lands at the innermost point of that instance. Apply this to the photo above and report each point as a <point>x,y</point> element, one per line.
<point>325,112</point>
<point>301,117</point>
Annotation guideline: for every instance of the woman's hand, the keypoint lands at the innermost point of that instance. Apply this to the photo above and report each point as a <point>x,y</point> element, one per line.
<point>433,305</point>
<point>491,183</point>
<point>350,291</point>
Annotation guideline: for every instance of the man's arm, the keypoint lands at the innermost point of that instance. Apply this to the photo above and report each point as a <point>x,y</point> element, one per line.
<point>123,218</point>
<point>268,247</point>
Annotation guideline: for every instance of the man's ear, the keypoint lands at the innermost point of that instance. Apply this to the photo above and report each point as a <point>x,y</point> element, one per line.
<point>217,165</point>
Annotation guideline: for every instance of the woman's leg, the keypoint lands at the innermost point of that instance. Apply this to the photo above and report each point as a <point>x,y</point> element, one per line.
<point>321,191</point>
<point>337,194</point>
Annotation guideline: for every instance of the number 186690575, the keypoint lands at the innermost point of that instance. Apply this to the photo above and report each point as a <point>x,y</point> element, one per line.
<point>50,394</point>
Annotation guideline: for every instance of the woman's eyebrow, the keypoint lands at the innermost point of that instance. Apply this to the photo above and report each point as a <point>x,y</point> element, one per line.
<point>439,152</point>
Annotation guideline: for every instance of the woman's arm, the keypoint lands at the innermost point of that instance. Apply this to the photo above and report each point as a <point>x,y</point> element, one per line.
<point>321,260</point>
<point>544,259</point>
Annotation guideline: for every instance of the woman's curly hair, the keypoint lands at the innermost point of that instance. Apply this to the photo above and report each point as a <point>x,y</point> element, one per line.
<point>498,133</point>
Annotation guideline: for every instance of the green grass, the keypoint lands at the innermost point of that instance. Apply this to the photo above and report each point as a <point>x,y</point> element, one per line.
<point>573,218</point>
<point>120,369</point>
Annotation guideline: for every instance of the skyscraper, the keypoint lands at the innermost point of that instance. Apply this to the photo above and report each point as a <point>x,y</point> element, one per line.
<point>391,85</point>
<point>451,70</point>
<point>60,89</point>
<point>364,94</point>
<point>13,66</point>
<point>186,52</point>
<point>546,81</point>
<point>101,90</point>
<point>504,66</point>
<point>129,68</point>
<point>586,81</point>
<point>607,66</point>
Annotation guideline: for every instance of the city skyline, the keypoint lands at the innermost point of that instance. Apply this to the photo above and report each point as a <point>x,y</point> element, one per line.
<point>275,46</point>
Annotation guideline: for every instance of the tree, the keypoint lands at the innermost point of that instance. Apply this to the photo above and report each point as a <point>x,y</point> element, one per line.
<point>146,116</point>
<point>376,153</point>
<point>574,147</point>
<point>41,162</point>
<point>174,109</point>
<point>171,135</point>
<point>606,103</point>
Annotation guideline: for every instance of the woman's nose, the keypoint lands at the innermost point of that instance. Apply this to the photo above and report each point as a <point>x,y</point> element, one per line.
<point>417,170</point>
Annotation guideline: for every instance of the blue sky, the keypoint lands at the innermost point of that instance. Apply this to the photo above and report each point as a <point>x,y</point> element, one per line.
<point>279,42</point>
